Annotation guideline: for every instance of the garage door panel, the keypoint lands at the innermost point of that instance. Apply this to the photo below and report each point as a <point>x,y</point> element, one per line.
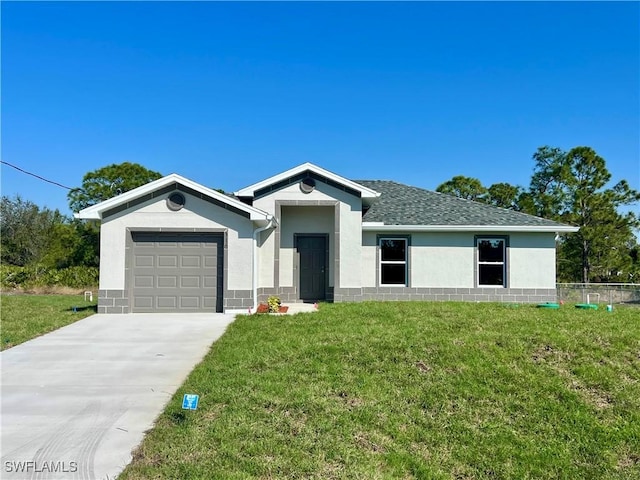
<point>209,303</point>
<point>167,261</point>
<point>167,281</point>
<point>143,281</point>
<point>189,302</point>
<point>190,261</point>
<point>143,302</point>
<point>210,261</point>
<point>167,302</point>
<point>177,271</point>
<point>144,261</point>
<point>147,244</point>
<point>189,282</point>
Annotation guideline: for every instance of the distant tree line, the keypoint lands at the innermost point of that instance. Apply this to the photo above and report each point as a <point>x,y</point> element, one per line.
<point>47,242</point>
<point>572,187</point>
<point>32,235</point>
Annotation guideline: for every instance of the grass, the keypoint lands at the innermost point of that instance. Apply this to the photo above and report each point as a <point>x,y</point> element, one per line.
<point>28,316</point>
<point>409,390</point>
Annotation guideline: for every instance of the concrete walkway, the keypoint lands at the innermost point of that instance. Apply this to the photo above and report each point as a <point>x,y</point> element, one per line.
<point>301,308</point>
<point>75,402</point>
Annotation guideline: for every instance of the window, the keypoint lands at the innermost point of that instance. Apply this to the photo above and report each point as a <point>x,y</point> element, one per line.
<point>393,261</point>
<point>491,262</point>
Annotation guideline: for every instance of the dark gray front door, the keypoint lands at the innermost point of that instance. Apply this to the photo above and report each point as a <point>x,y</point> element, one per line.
<point>312,251</point>
<point>176,272</point>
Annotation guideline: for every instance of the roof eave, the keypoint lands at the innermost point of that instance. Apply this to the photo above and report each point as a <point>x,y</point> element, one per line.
<point>95,212</point>
<point>83,215</point>
<point>365,192</point>
<point>378,226</point>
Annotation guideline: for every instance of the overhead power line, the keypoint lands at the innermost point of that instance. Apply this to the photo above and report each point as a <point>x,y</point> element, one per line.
<point>34,175</point>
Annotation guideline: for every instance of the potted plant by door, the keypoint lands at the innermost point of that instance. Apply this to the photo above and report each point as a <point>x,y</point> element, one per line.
<point>275,305</point>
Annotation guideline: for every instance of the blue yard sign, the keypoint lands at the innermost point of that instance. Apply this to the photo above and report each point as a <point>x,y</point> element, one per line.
<point>190,401</point>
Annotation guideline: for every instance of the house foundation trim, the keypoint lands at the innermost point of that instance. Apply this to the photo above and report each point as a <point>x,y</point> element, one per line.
<point>508,295</point>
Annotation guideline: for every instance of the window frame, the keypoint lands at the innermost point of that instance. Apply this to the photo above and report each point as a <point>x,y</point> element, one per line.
<point>407,242</point>
<point>504,262</point>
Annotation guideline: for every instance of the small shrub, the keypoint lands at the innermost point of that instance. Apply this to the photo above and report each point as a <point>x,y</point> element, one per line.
<point>14,277</point>
<point>274,304</point>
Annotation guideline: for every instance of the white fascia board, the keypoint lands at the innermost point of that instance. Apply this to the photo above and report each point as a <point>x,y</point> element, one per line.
<point>378,226</point>
<point>251,189</point>
<point>95,212</point>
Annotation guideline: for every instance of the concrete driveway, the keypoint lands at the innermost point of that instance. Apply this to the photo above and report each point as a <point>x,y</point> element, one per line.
<point>75,402</point>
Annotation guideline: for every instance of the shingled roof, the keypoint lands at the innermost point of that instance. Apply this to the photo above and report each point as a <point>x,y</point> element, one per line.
<point>405,205</point>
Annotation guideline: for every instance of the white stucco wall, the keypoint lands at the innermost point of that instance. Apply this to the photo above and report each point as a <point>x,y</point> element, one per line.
<point>266,258</point>
<point>447,260</point>
<point>442,260</point>
<point>154,214</point>
<point>532,260</point>
<point>369,259</point>
<point>349,245</point>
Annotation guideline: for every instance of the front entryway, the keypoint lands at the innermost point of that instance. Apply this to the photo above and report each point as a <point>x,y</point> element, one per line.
<point>312,255</point>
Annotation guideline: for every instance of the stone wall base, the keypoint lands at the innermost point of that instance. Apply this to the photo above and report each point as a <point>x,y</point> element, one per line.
<point>116,301</point>
<point>113,301</point>
<point>513,295</point>
<point>238,299</point>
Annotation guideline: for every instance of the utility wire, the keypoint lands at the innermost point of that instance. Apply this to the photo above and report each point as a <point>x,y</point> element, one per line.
<point>34,175</point>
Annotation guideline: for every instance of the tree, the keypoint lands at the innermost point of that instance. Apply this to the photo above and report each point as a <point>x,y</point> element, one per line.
<point>504,195</point>
<point>108,182</point>
<point>634,253</point>
<point>547,194</point>
<point>501,194</point>
<point>32,235</point>
<point>74,243</point>
<point>26,231</point>
<point>87,250</point>
<point>570,187</point>
<point>464,187</point>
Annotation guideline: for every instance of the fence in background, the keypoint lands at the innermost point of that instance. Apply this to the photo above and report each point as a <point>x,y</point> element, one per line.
<point>605,293</point>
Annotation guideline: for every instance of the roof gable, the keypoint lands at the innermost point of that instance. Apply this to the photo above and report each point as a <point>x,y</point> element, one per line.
<point>403,205</point>
<point>162,186</point>
<point>300,172</point>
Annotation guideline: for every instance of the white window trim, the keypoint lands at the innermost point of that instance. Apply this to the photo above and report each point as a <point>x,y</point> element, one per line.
<point>404,262</point>
<point>503,263</point>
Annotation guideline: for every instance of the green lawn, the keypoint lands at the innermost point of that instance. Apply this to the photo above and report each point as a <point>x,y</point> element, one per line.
<point>409,390</point>
<point>24,317</point>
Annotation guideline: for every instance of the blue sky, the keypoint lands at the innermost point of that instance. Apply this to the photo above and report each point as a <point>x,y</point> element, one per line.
<point>228,94</point>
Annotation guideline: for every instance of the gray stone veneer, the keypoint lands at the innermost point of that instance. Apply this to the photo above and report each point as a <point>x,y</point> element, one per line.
<point>521,295</point>
<point>116,301</point>
<point>286,294</point>
<point>113,301</point>
<point>236,299</point>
